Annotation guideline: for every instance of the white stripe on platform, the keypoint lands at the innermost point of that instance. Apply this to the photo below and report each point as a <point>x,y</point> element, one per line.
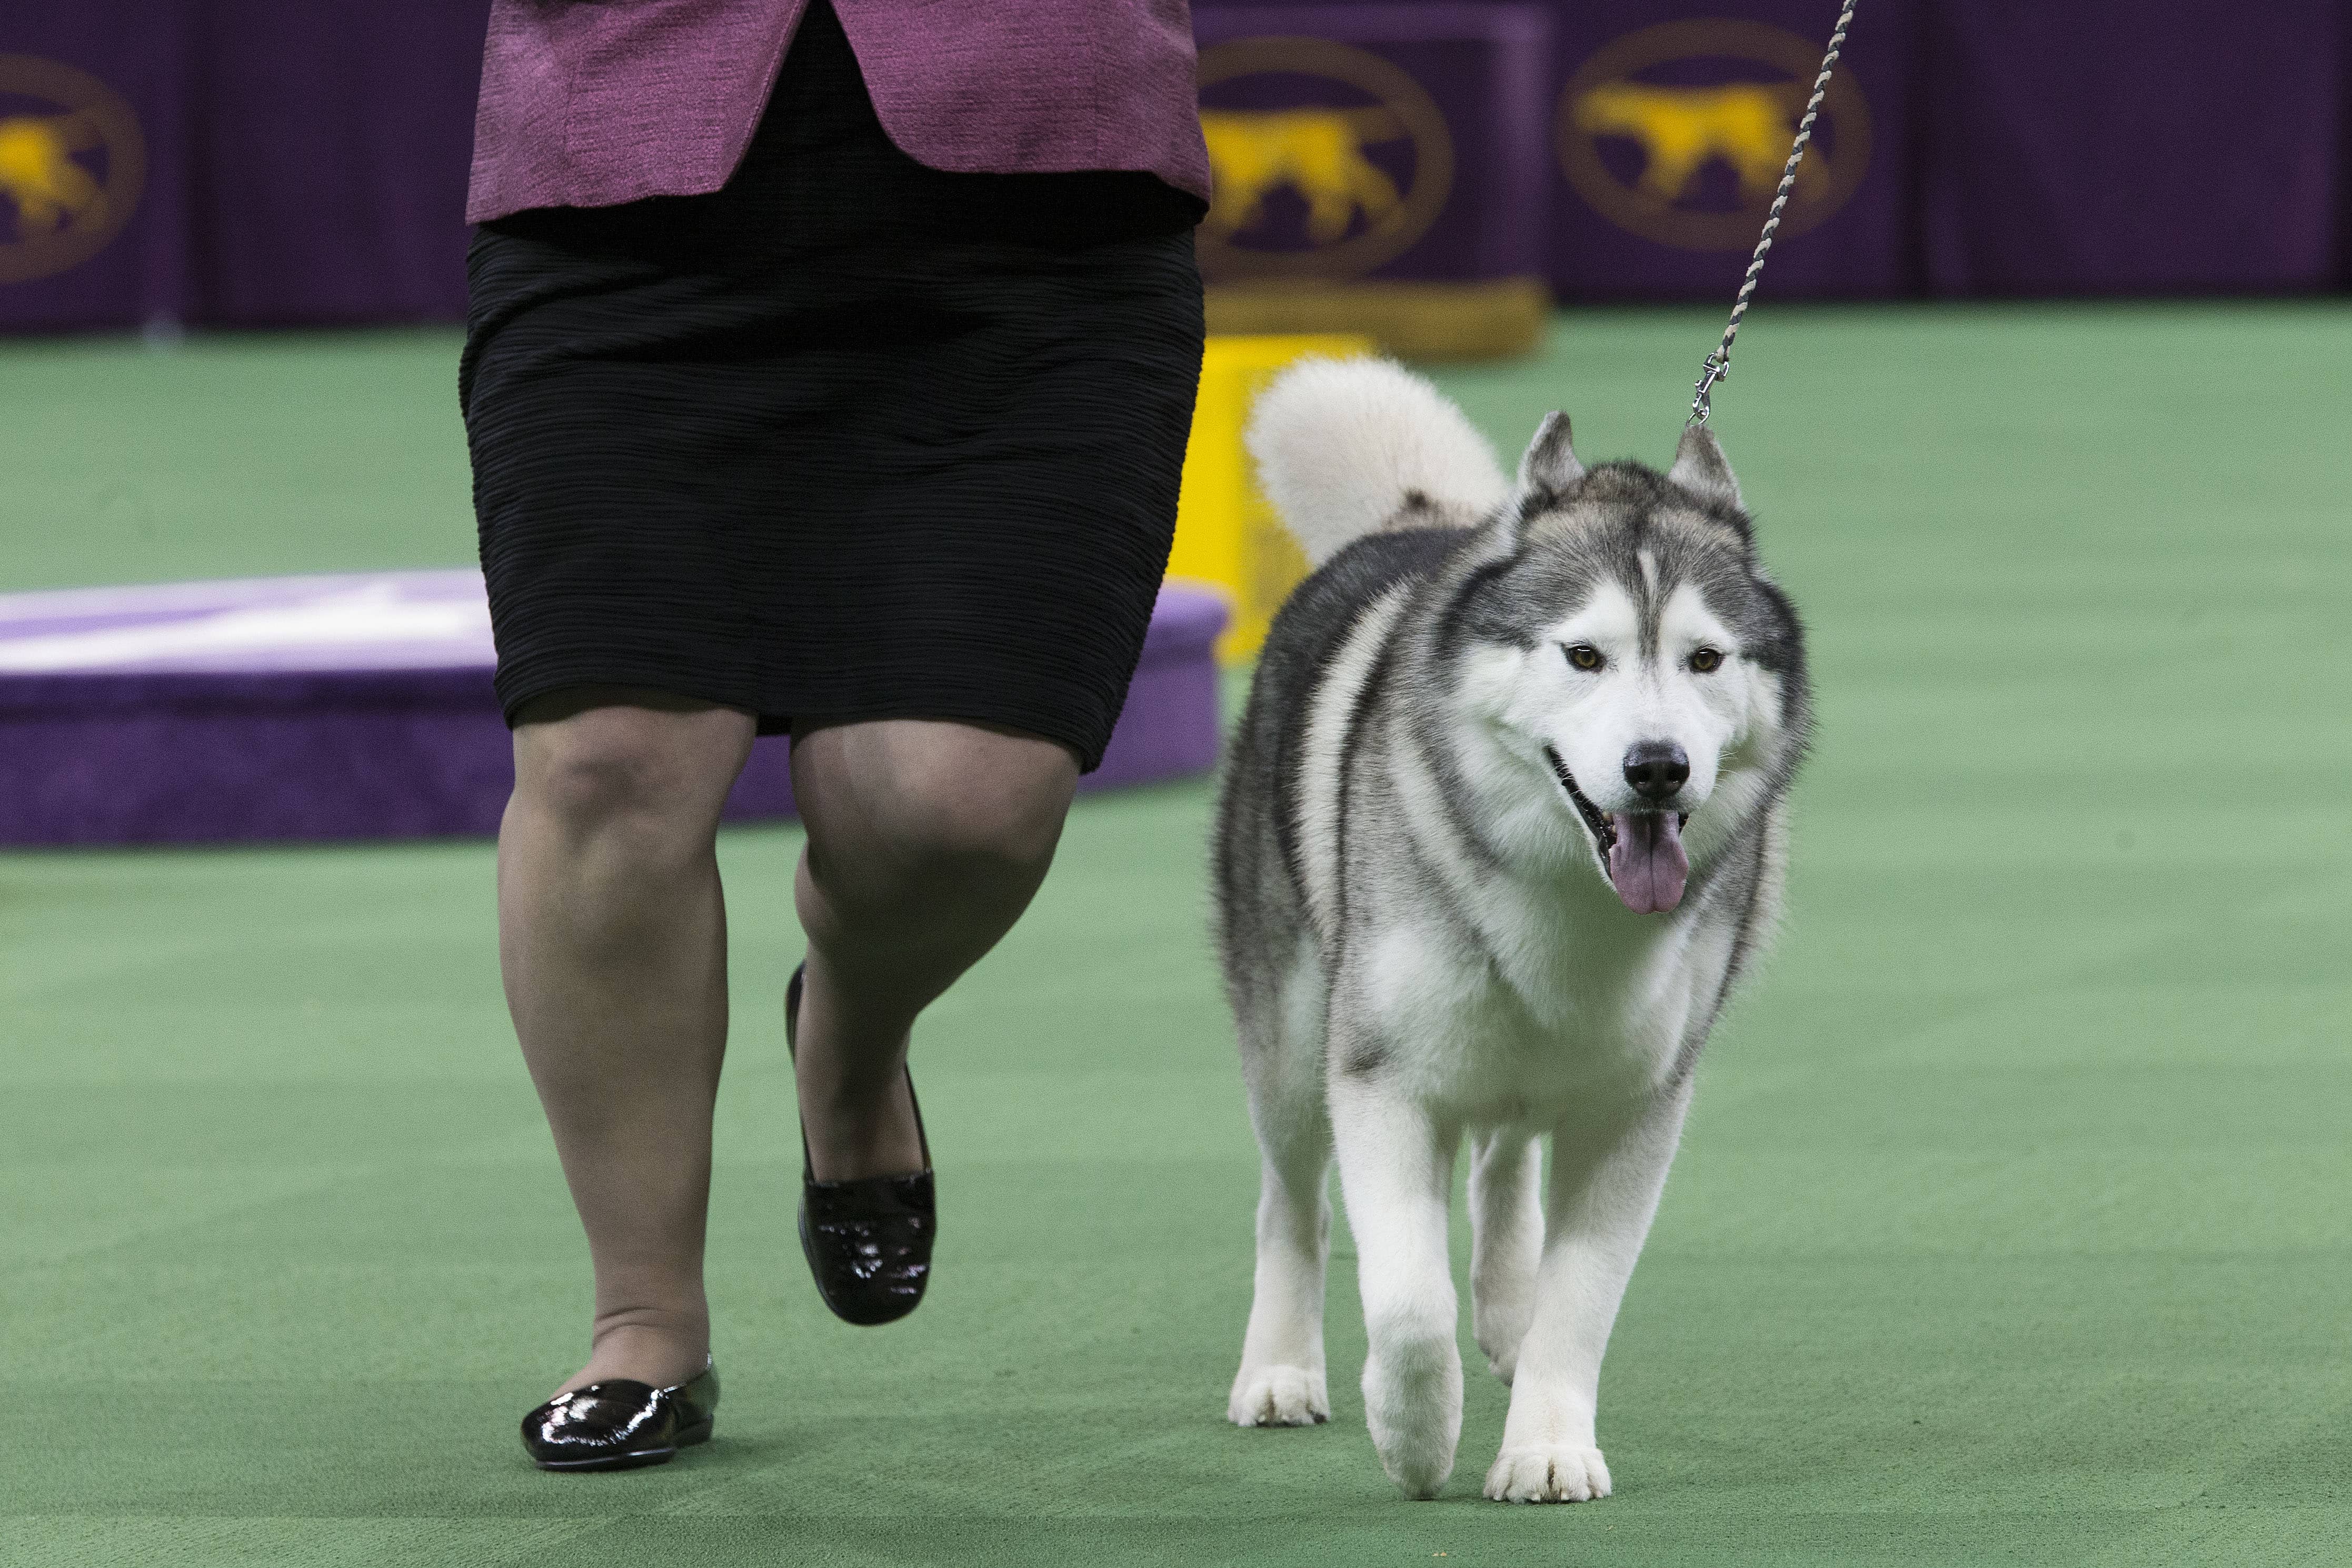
<point>369,617</point>
<point>228,593</point>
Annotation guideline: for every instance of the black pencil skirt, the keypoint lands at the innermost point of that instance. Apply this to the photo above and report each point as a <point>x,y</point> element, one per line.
<point>850,438</point>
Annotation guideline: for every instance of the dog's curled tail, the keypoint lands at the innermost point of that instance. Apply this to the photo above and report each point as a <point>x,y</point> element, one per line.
<point>1348,447</point>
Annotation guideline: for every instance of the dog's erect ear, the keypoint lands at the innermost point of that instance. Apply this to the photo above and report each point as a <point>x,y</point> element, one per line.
<point>1551,462</point>
<point>1700,468</point>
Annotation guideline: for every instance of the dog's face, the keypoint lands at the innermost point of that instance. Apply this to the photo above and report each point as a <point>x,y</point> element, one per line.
<point>1632,666</point>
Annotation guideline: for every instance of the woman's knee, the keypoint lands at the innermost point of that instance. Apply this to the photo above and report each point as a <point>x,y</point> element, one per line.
<point>626,765</point>
<point>959,811</point>
<point>1001,832</point>
<point>941,847</point>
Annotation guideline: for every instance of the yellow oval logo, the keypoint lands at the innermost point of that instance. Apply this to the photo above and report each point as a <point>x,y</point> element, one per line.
<point>1679,132</point>
<point>72,165</point>
<point>1329,162</point>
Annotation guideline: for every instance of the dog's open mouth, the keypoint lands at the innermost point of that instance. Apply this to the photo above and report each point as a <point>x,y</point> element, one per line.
<point>1604,835</point>
<point>1642,850</point>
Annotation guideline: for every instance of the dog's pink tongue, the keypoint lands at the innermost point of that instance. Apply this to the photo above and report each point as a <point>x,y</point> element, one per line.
<point>1647,863</point>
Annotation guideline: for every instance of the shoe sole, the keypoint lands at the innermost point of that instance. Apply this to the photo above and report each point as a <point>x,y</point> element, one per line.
<point>637,1459</point>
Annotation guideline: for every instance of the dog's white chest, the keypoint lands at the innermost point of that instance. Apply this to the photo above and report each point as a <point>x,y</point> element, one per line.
<point>1514,1029</point>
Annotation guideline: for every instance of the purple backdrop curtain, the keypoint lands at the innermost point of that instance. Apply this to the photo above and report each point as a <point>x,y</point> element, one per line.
<point>334,159</point>
<point>1486,67</point>
<point>2106,146</point>
<point>306,162</point>
<point>141,51</point>
<point>1862,248</point>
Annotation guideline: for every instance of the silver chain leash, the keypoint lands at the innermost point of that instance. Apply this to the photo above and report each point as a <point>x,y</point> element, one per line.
<point>1718,365</point>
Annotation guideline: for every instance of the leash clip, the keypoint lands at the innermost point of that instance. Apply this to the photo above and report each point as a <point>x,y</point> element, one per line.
<point>1711,370</point>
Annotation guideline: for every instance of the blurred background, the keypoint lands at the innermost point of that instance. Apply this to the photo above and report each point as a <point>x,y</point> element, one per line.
<point>2011,1222</point>
<point>175,164</point>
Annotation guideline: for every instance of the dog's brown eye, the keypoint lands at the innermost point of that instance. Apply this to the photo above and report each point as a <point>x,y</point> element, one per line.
<point>1584,657</point>
<point>1706,660</point>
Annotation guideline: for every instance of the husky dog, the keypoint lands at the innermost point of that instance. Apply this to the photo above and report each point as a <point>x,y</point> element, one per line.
<point>1503,823</point>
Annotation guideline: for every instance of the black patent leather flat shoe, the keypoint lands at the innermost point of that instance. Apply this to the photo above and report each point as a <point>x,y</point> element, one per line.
<point>868,1240</point>
<point>621,1424</point>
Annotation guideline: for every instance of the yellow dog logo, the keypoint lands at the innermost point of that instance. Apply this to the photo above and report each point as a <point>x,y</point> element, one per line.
<point>1318,152</point>
<point>70,173</point>
<point>1638,150</point>
<point>1357,146</point>
<point>1682,128</point>
<point>38,176</point>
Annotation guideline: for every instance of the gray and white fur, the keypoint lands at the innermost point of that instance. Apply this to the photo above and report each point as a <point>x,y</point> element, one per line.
<point>1502,826</point>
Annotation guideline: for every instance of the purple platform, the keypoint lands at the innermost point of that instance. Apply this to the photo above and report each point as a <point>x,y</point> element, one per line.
<point>361,707</point>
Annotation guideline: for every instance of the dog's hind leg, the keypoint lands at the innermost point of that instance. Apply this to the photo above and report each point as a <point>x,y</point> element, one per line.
<point>1507,1229</point>
<point>1396,1166</point>
<point>1603,1194</point>
<point>1281,1382</point>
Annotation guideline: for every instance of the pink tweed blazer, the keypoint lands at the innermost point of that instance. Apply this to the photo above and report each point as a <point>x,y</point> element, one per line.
<point>588,103</point>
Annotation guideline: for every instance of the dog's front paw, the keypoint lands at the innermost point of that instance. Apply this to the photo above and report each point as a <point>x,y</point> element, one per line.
<point>1413,1404</point>
<point>1279,1397</point>
<point>1418,1462</point>
<point>1547,1475</point>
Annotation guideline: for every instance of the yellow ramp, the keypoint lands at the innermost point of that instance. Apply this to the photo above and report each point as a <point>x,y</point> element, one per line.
<point>1227,537</point>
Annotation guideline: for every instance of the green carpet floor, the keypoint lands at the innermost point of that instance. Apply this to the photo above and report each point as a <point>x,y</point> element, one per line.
<point>2011,1225</point>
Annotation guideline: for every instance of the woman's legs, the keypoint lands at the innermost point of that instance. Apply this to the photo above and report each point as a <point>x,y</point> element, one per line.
<point>612,937</point>
<point>926,840</point>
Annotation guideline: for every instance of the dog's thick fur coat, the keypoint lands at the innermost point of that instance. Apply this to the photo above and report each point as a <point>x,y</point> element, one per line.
<point>1502,825</point>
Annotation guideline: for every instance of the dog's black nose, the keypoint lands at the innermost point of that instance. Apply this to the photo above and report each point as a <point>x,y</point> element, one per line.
<point>1656,770</point>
